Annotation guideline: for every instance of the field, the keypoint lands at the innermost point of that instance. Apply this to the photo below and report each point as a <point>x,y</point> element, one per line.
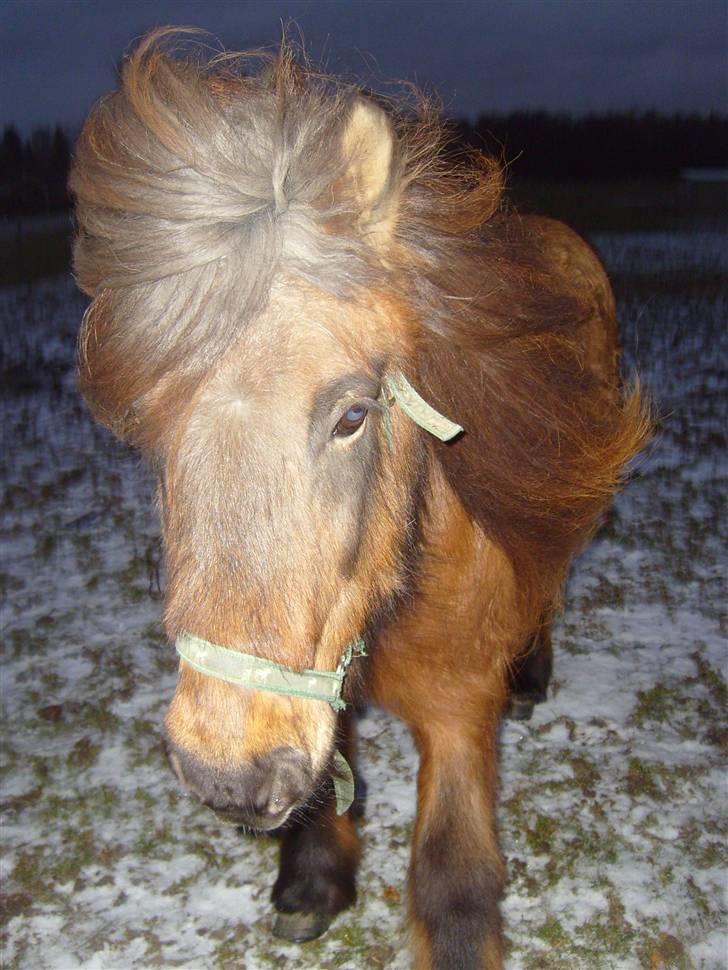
<point>612,801</point>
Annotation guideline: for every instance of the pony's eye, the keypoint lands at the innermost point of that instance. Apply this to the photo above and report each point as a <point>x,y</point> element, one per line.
<point>351,421</point>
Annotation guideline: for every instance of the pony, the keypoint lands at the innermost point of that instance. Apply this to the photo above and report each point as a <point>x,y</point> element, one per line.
<point>297,291</point>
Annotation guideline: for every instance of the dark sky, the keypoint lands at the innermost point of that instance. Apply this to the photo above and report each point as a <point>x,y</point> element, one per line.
<point>58,56</point>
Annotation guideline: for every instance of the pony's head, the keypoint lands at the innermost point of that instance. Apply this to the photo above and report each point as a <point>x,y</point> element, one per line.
<point>236,234</point>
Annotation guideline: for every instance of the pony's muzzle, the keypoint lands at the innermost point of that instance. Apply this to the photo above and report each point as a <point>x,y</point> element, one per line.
<point>260,794</point>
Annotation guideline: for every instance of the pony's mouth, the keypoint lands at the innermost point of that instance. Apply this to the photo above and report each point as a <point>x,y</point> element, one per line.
<point>238,817</point>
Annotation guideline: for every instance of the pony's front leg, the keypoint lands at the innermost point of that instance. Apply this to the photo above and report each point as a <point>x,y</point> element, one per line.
<point>456,873</point>
<point>319,856</point>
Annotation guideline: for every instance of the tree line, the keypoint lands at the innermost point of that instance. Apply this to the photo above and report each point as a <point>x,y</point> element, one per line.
<point>620,145</point>
<point>34,170</point>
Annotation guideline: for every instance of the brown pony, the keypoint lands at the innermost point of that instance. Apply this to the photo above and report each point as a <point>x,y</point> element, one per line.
<point>265,250</point>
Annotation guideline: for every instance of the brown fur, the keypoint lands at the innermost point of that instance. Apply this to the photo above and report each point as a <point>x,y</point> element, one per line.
<point>261,250</point>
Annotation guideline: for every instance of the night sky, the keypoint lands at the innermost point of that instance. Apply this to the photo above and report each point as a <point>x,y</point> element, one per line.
<point>59,56</point>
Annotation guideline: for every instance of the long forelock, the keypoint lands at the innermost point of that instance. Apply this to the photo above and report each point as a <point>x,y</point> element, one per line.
<point>195,190</point>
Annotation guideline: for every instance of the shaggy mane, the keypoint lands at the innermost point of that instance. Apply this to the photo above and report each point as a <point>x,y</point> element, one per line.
<point>201,180</point>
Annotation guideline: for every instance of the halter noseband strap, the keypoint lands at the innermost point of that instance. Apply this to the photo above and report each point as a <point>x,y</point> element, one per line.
<point>256,673</point>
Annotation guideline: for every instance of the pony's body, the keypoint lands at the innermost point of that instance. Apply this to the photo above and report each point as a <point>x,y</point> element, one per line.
<point>263,253</point>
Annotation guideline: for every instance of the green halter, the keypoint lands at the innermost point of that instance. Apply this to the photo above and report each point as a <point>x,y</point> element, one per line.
<point>417,408</point>
<point>256,673</point>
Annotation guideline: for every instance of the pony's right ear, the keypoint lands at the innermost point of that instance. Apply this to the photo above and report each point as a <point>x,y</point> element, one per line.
<point>369,146</point>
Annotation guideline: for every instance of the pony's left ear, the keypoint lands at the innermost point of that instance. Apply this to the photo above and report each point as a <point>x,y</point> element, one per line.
<point>369,146</point>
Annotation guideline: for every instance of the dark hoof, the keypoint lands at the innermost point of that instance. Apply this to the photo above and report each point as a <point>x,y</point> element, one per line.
<point>522,705</point>
<point>300,927</point>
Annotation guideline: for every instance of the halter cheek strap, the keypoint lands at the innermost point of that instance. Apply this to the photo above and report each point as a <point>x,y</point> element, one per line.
<point>418,410</point>
<point>257,673</point>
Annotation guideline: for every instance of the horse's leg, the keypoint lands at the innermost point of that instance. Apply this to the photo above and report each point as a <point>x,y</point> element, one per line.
<point>456,874</point>
<point>530,674</point>
<point>319,856</point>
<point>442,669</point>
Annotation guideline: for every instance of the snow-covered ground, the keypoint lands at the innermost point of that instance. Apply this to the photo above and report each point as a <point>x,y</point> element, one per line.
<point>613,800</point>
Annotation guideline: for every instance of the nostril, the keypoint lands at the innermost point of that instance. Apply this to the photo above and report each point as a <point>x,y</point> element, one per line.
<point>264,801</point>
<point>283,780</point>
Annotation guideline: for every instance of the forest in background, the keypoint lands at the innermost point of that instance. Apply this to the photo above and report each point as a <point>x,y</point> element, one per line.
<point>34,172</point>
<point>533,144</point>
<point>536,144</point>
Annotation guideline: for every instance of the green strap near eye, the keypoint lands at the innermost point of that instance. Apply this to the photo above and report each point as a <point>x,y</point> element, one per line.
<point>416,408</point>
<point>387,416</point>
